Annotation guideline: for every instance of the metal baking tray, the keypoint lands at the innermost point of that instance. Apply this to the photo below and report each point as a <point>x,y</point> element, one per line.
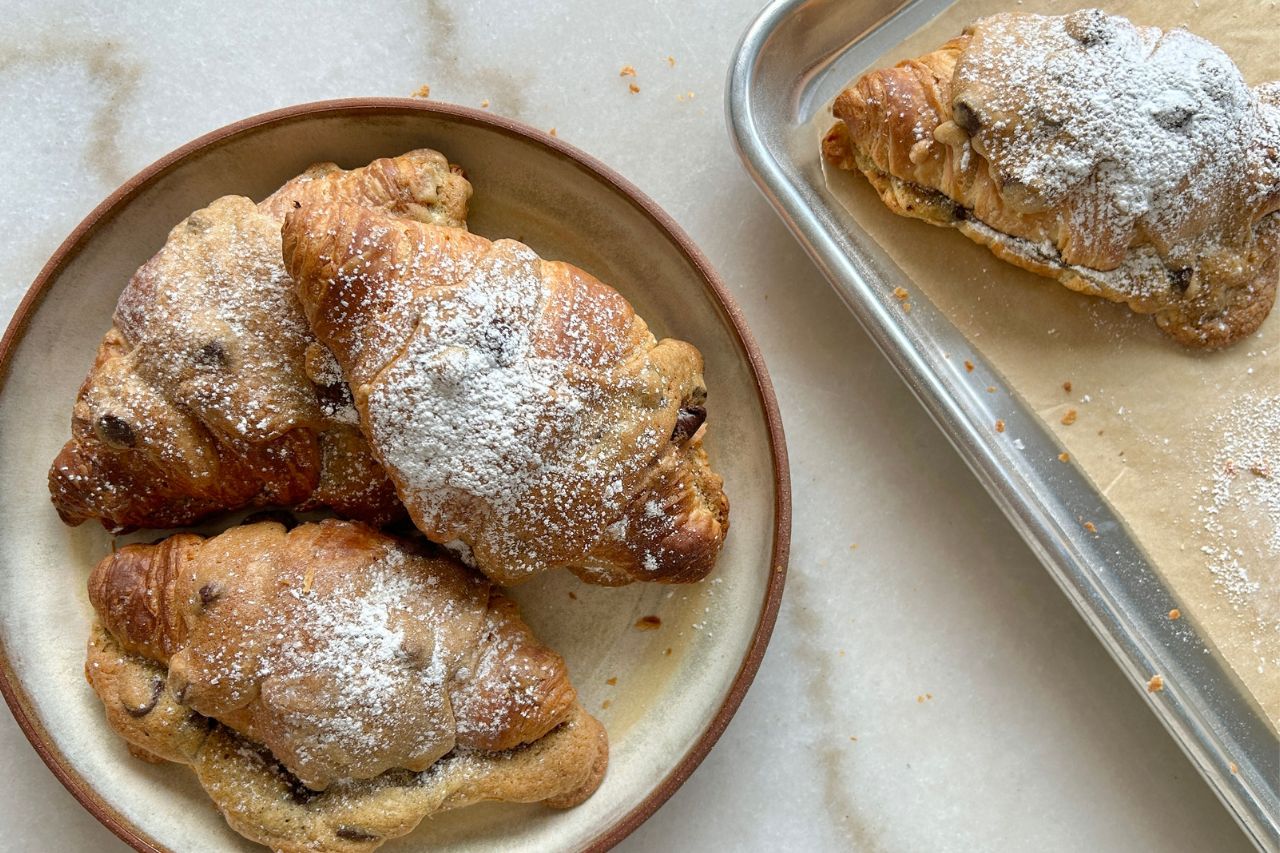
<point>791,63</point>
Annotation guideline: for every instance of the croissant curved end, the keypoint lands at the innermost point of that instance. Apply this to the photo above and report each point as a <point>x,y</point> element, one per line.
<point>132,591</point>
<point>519,689</point>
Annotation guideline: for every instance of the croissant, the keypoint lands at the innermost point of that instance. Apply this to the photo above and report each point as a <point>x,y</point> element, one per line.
<point>528,418</point>
<point>210,393</point>
<point>1124,161</point>
<point>331,685</point>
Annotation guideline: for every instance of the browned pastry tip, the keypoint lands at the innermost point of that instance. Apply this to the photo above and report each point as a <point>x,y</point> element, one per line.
<point>518,690</point>
<point>521,407</point>
<point>135,592</point>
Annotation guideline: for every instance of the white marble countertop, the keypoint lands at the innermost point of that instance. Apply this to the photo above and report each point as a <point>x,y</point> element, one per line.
<point>1031,738</point>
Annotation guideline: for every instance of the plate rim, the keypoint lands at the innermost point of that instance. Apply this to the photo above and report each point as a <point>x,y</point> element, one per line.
<point>10,686</point>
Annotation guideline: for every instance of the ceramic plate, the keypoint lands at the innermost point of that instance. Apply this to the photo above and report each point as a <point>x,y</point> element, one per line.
<point>677,686</point>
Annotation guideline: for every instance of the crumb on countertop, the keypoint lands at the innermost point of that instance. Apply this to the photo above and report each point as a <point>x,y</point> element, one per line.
<point>1175,614</point>
<point>1070,417</point>
<point>1156,684</point>
<point>900,292</point>
<point>484,105</point>
<point>999,425</point>
<point>1064,456</point>
<point>635,90</point>
<point>1091,527</point>
<point>611,681</point>
<point>671,60</point>
<point>627,71</point>
<point>1066,386</point>
<point>648,623</point>
<point>968,366</point>
<point>423,91</point>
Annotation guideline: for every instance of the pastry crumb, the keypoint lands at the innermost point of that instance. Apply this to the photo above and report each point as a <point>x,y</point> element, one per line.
<point>906,306</point>
<point>573,595</point>
<point>1066,386</point>
<point>627,71</point>
<point>611,681</point>
<point>605,704</point>
<point>423,91</point>
<point>853,738</point>
<point>671,60</point>
<point>1156,684</point>
<point>991,389</point>
<point>1064,457</point>
<point>667,652</point>
<point>484,105</point>
<point>900,292</point>
<point>648,623</point>
<point>968,366</point>
<point>552,132</point>
<point>635,90</point>
<point>999,425</point>
<point>1175,614</point>
<point>1235,768</point>
<point>1261,469</point>
<point>1091,527</point>
<point>1070,417</point>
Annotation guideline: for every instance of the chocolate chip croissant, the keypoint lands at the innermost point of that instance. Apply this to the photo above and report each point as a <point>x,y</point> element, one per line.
<point>1124,161</point>
<point>525,413</point>
<point>330,685</point>
<point>210,393</point>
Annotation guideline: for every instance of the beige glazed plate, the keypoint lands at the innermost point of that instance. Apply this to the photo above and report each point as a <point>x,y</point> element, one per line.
<point>676,685</point>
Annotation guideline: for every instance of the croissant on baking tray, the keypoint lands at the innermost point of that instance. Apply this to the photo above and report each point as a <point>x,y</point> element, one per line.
<point>330,685</point>
<point>1124,161</point>
<point>210,393</point>
<point>526,415</point>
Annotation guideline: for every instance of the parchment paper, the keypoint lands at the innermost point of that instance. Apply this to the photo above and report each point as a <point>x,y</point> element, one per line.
<point>1184,445</point>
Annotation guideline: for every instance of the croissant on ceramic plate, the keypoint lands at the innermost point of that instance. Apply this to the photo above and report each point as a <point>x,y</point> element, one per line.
<point>210,393</point>
<point>330,685</point>
<point>1125,161</point>
<point>527,416</point>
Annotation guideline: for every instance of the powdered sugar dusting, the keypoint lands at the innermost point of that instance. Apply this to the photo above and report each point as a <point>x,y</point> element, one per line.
<point>1241,503</point>
<point>1137,135</point>
<point>214,316</point>
<point>489,431</point>
<point>1246,471</point>
<point>351,669</point>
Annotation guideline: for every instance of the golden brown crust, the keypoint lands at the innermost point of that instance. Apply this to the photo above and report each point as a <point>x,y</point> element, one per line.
<point>980,136</point>
<point>210,394</point>
<point>265,803</point>
<point>346,653</point>
<point>520,406</point>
